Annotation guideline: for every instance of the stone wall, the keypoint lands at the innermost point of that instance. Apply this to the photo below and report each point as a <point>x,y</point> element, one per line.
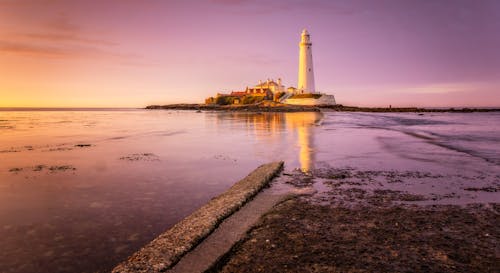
<point>323,100</point>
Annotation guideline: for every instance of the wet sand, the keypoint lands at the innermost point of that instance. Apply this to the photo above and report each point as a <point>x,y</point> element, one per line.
<point>354,223</point>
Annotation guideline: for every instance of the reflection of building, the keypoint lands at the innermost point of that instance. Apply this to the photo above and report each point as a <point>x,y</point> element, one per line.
<point>271,130</point>
<point>302,123</point>
<point>266,127</point>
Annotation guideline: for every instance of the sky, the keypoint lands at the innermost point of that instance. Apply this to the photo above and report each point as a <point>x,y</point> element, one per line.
<point>133,53</point>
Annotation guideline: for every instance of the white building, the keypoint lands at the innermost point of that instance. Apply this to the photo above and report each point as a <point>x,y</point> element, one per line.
<point>273,86</point>
<point>306,72</point>
<point>305,93</point>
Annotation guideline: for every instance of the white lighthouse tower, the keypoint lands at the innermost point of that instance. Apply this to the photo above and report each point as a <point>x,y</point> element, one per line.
<point>306,72</point>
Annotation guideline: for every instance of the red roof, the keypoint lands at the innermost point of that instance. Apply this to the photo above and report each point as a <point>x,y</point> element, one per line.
<point>238,93</point>
<point>258,90</point>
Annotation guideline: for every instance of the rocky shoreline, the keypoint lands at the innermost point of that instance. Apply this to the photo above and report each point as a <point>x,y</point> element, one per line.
<point>355,223</point>
<point>237,108</point>
<point>279,107</point>
<point>300,236</point>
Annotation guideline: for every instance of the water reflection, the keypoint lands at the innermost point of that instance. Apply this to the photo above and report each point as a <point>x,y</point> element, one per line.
<point>59,205</point>
<point>271,128</point>
<point>146,170</point>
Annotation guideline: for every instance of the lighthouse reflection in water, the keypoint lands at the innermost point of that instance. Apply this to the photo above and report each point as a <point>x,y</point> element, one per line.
<point>278,136</point>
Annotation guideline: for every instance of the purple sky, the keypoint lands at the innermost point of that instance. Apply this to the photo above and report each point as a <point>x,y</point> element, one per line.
<point>134,53</point>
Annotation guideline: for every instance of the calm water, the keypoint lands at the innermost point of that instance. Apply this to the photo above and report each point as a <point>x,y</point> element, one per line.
<point>82,190</point>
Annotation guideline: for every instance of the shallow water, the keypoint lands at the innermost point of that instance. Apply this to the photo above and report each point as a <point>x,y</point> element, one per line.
<point>82,190</point>
<point>447,158</point>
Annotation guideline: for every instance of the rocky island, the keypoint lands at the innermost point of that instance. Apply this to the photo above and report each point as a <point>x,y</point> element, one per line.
<point>273,96</point>
<point>281,107</point>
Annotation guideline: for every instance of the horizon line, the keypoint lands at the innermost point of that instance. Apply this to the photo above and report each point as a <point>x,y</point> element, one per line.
<point>90,108</point>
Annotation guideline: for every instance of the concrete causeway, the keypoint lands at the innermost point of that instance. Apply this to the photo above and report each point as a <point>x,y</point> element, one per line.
<point>166,250</point>
<point>213,249</point>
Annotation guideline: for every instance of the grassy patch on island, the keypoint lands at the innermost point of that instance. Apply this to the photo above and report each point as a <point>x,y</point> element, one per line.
<point>306,96</point>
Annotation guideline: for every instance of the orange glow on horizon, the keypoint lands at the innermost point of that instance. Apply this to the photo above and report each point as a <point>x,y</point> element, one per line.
<point>111,54</point>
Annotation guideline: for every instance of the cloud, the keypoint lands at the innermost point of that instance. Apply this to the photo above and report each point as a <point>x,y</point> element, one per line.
<point>22,3</point>
<point>60,37</point>
<point>30,49</point>
<point>56,45</point>
<point>446,88</point>
<point>72,52</point>
<point>66,37</point>
<point>61,22</point>
<point>232,2</point>
<point>254,59</point>
<point>61,29</point>
<point>252,7</point>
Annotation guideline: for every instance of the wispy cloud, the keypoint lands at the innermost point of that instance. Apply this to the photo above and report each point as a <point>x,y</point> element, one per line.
<point>55,45</point>
<point>252,7</point>
<point>22,3</point>
<point>73,52</point>
<point>30,49</point>
<point>62,22</point>
<point>444,88</point>
<point>61,28</point>
<point>65,37</point>
<point>232,2</point>
<point>59,37</point>
<point>260,60</point>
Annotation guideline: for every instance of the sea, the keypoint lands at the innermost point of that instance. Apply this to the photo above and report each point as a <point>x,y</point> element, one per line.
<point>83,189</point>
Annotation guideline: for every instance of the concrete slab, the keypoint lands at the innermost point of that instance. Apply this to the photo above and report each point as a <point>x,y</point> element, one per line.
<point>233,229</point>
<point>166,250</point>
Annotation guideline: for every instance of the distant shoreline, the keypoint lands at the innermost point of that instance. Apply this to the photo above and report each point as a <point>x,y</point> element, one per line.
<point>275,107</point>
<point>58,109</point>
<point>260,108</point>
<point>298,108</point>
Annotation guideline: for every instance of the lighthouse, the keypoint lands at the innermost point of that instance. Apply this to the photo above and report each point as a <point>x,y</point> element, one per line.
<point>306,72</point>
